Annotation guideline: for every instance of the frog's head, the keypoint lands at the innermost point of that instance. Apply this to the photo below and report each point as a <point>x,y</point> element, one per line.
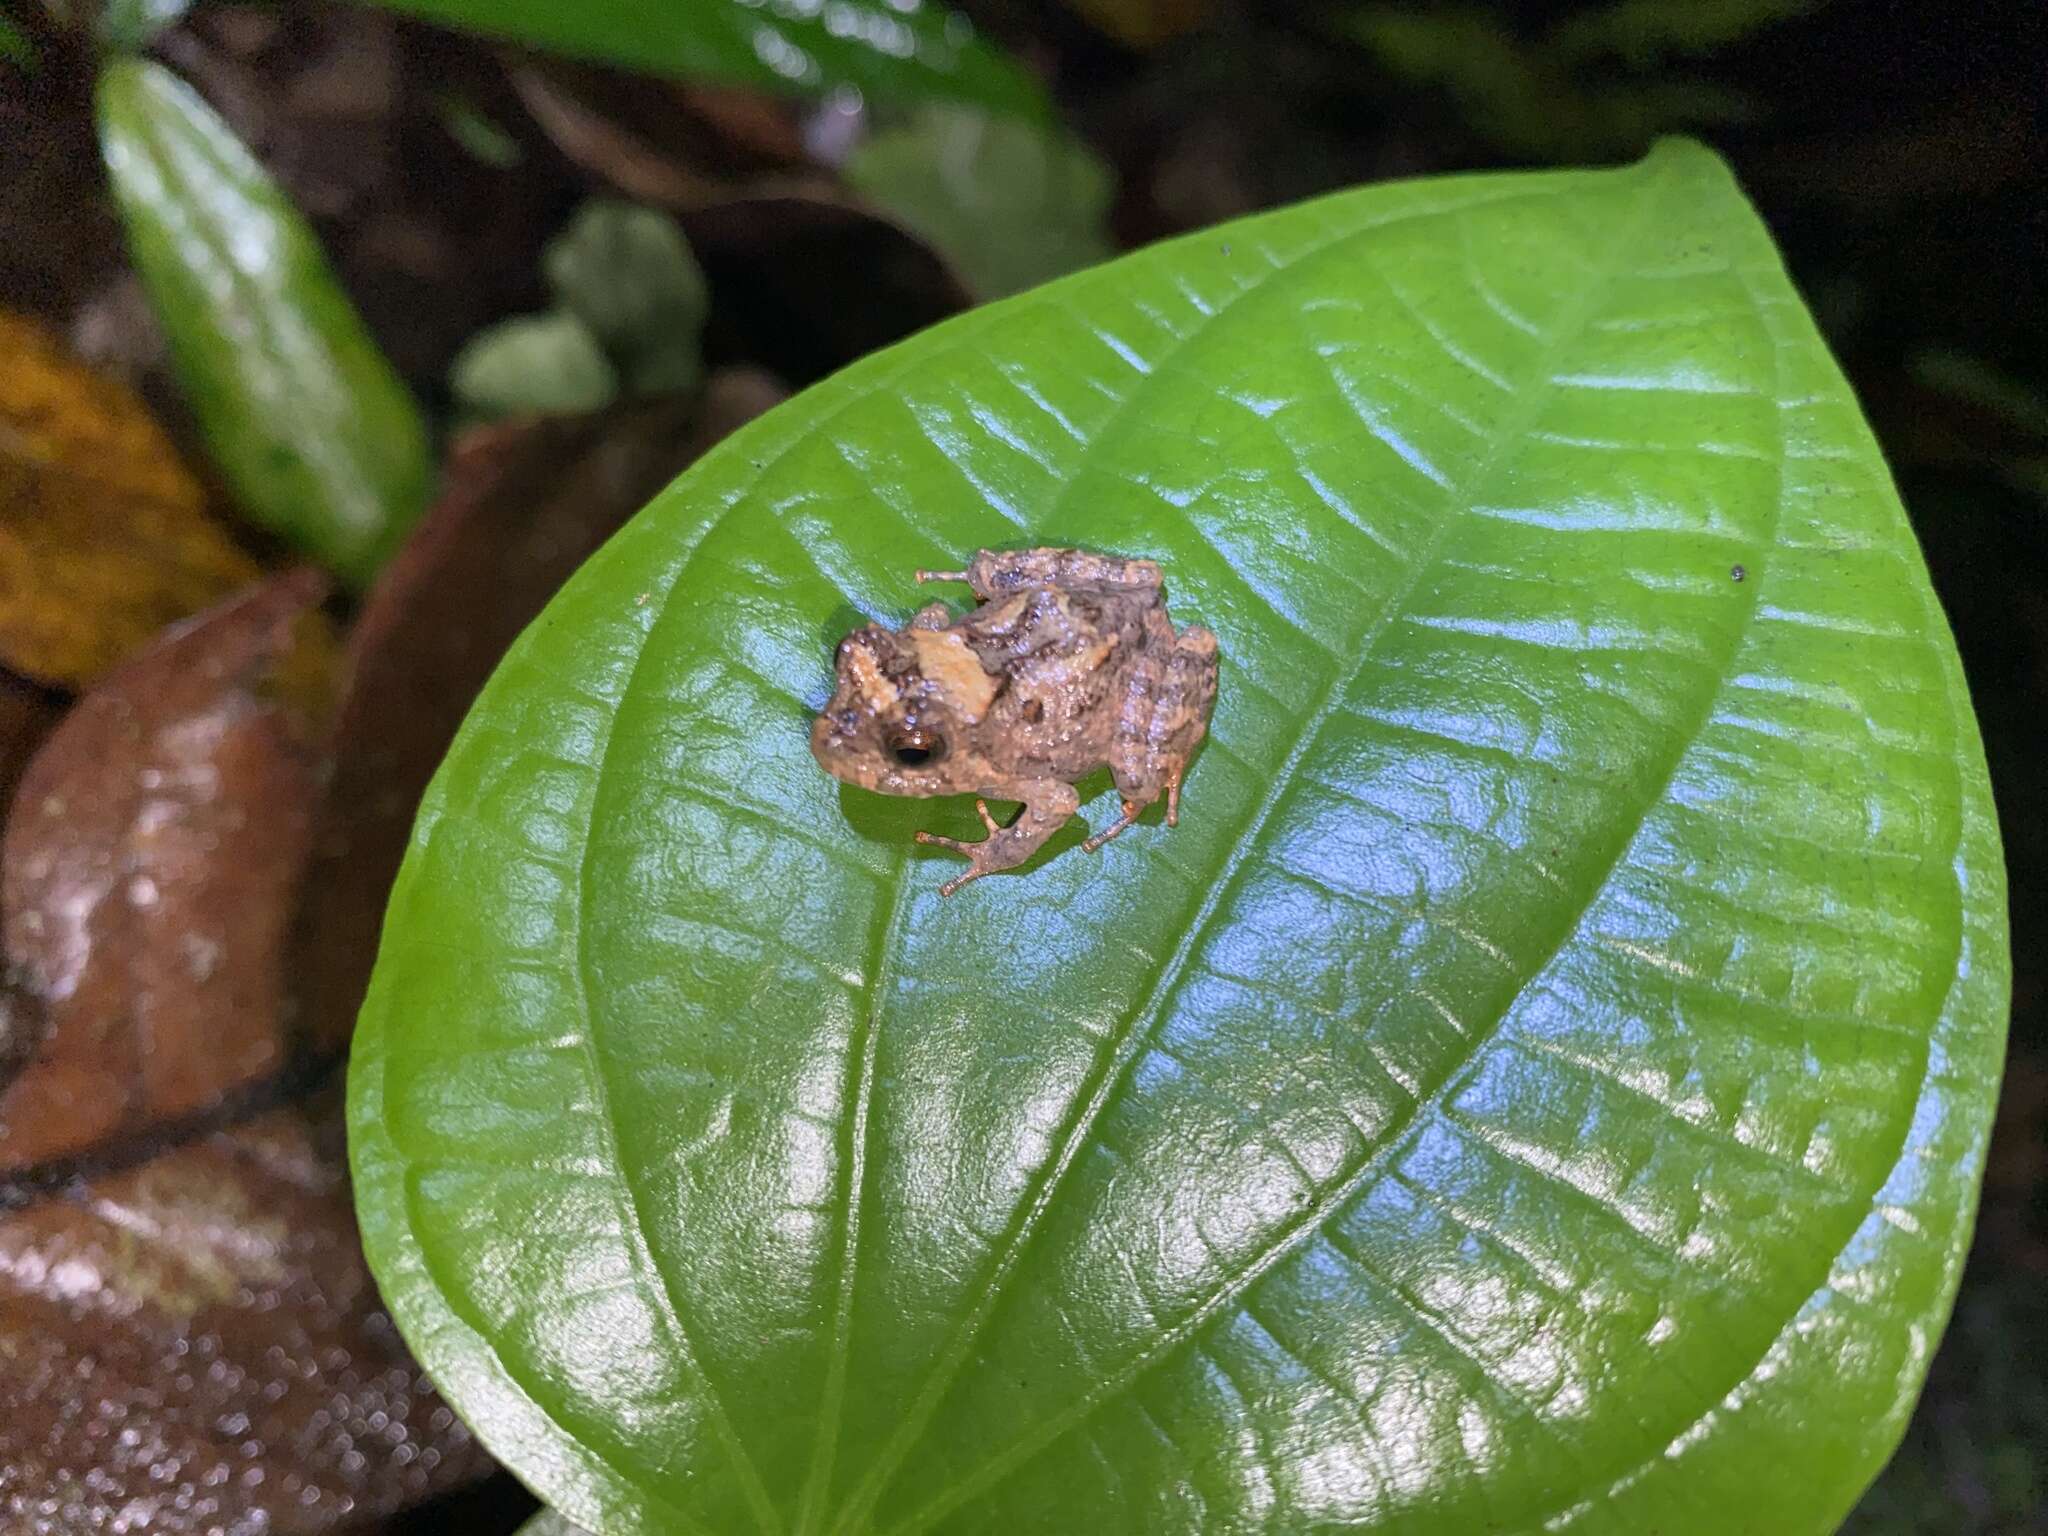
<point>903,711</point>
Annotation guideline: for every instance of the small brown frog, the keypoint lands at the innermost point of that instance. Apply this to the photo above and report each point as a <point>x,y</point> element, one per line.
<point>1069,663</point>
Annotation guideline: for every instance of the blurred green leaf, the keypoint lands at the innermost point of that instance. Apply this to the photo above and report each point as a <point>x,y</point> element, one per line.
<point>2018,406</point>
<point>15,47</point>
<point>1646,33</point>
<point>1009,203</point>
<point>896,50</point>
<point>129,26</point>
<point>1499,86</point>
<point>547,364</point>
<point>1533,97</point>
<point>2010,398</point>
<point>483,139</point>
<point>1542,1085</point>
<point>629,319</point>
<point>627,272</point>
<point>303,415</point>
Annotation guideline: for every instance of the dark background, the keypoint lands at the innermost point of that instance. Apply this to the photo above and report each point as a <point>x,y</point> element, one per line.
<point>1897,151</point>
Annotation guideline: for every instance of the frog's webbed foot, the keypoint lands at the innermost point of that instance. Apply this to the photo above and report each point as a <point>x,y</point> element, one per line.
<point>969,849</point>
<point>1132,811</point>
<point>1007,847</point>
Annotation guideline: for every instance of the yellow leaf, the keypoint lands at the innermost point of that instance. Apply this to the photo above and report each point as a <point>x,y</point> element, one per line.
<point>104,534</point>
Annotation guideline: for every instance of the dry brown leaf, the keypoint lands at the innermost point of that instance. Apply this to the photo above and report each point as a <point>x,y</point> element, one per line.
<point>149,871</point>
<point>195,1346</point>
<point>658,141</point>
<point>104,534</point>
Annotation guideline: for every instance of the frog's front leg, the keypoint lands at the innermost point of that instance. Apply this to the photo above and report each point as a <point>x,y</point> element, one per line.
<point>1047,806</point>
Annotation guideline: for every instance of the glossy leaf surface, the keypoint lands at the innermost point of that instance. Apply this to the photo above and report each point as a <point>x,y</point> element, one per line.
<point>1540,1086</point>
<point>898,51</point>
<point>303,415</point>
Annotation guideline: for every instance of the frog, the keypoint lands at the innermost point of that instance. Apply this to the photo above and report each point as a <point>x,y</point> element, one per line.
<point>1068,663</point>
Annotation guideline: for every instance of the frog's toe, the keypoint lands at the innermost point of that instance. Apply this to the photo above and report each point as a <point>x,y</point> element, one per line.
<point>966,850</point>
<point>979,859</point>
<point>1115,829</point>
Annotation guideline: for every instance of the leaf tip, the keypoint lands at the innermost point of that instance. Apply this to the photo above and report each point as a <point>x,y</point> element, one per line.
<point>1680,154</point>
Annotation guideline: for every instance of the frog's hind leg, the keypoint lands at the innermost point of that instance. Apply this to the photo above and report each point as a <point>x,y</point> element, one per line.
<point>1047,807</point>
<point>1164,718</point>
<point>1133,809</point>
<point>1189,695</point>
<point>995,571</point>
<point>931,616</point>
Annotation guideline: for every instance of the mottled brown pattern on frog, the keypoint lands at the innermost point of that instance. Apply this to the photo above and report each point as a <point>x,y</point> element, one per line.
<point>1069,664</point>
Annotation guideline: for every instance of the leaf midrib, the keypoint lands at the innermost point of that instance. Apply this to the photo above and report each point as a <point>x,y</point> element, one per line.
<point>882,956</point>
<point>830,1425</point>
<point>1024,1449</point>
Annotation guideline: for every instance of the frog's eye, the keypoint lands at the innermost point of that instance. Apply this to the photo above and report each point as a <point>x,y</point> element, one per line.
<point>917,748</point>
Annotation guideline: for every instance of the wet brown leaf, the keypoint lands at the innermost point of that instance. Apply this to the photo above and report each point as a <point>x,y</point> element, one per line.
<point>26,715</point>
<point>526,503</point>
<point>147,876</point>
<point>805,275</point>
<point>194,1346</point>
<point>104,534</point>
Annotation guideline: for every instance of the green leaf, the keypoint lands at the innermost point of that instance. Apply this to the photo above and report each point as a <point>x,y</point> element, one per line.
<point>548,1523</point>
<point>482,139</point>
<point>897,50</point>
<point>129,26</point>
<point>631,305</point>
<point>628,274</point>
<point>1531,97</point>
<point>303,415</point>
<point>1540,1086</point>
<point>1008,203</point>
<point>1649,33</point>
<point>15,47</point>
<point>545,364</point>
